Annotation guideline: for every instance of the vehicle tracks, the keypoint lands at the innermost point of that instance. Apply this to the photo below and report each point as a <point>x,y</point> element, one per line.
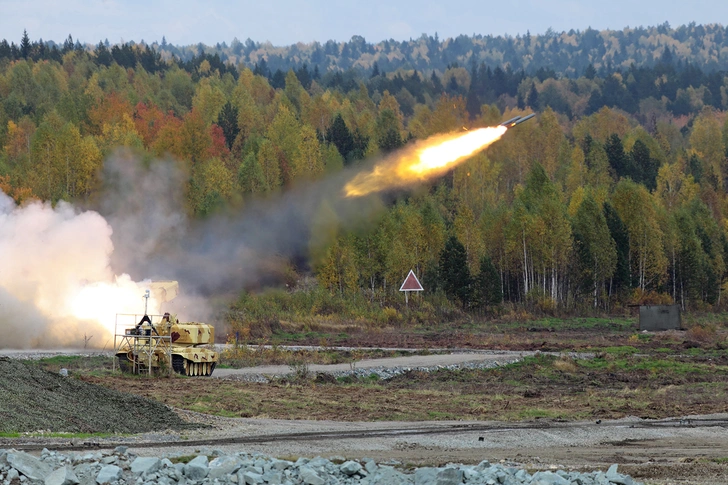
<point>37,444</point>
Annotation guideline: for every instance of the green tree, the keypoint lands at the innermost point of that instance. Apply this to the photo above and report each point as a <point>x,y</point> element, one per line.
<point>341,137</point>
<point>251,177</point>
<point>637,209</point>
<point>454,273</point>
<point>228,121</point>
<point>25,45</point>
<point>595,248</point>
<point>645,167</point>
<point>618,233</point>
<point>487,287</point>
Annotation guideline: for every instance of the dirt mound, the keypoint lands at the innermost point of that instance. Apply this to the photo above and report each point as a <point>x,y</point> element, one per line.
<point>32,399</point>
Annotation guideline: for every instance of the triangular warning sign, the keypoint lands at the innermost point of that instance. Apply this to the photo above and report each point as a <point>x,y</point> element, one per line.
<point>411,283</point>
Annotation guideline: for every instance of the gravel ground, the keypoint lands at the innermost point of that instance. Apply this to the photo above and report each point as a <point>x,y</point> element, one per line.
<point>32,399</point>
<point>686,453</point>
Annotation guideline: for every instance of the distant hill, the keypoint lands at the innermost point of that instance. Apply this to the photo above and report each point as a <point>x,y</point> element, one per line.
<point>566,53</point>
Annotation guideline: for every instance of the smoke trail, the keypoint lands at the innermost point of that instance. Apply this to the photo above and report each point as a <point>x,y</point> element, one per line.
<point>220,254</point>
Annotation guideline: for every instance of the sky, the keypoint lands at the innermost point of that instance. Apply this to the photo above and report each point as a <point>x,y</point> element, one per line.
<point>284,22</point>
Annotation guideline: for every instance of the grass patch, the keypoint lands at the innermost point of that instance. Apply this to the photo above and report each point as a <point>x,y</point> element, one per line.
<point>82,364</point>
<point>538,387</point>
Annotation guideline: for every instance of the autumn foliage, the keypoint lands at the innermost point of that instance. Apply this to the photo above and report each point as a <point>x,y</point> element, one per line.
<point>592,205</point>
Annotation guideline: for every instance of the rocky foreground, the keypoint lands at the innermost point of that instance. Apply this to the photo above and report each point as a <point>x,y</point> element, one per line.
<point>121,467</point>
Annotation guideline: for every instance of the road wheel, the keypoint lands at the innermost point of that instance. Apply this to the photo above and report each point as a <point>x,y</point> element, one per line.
<point>125,365</point>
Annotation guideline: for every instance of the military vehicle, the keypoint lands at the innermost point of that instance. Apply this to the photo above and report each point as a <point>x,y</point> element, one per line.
<point>159,343</point>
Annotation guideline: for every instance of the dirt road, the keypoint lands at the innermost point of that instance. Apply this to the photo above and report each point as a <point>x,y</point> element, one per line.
<point>410,361</point>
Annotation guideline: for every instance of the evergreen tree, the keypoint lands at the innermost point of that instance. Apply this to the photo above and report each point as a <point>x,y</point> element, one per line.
<point>618,160</point>
<point>488,291</point>
<point>228,121</point>
<point>25,46</point>
<point>103,56</point>
<point>618,232</point>
<point>341,137</point>
<point>645,167</point>
<point>532,99</point>
<point>375,70</point>
<point>436,83</point>
<point>390,141</point>
<point>454,273</point>
<point>590,72</point>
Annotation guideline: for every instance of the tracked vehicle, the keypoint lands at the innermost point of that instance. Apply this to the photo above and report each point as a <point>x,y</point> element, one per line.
<point>160,343</point>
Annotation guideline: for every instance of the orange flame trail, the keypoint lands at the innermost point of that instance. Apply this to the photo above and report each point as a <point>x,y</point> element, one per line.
<point>427,159</point>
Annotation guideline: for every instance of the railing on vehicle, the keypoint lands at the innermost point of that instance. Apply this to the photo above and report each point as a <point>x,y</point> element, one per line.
<point>141,342</point>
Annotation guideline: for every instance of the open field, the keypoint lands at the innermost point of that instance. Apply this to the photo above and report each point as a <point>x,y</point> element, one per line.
<point>566,406</point>
<point>545,387</point>
<point>513,332</point>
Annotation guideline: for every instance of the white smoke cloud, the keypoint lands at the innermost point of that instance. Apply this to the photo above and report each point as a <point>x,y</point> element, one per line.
<point>56,283</point>
<point>65,273</point>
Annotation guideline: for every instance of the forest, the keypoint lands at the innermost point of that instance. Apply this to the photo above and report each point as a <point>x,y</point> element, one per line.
<point>615,196</point>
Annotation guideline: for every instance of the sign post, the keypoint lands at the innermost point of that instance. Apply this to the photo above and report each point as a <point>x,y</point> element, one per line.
<point>411,283</point>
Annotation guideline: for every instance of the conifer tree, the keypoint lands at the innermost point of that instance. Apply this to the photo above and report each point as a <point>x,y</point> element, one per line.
<point>454,273</point>
<point>488,291</point>
<point>25,45</point>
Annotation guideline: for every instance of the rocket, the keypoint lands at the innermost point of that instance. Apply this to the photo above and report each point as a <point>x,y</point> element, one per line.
<point>517,120</point>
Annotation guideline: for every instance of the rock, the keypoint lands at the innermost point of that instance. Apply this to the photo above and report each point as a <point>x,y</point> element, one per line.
<point>522,475</point>
<point>145,466</point>
<point>197,468</point>
<point>121,450</point>
<point>426,476</point>
<point>252,478</point>
<point>350,467</point>
<point>273,478</point>
<point>223,466</point>
<point>390,476</point>
<point>617,478</point>
<point>108,474</point>
<point>310,477</point>
<point>470,474</point>
<point>62,476</point>
<point>449,476</point>
<point>280,465</point>
<point>548,478</point>
<point>12,475</point>
<point>370,466</point>
<point>28,465</point>
<point>318,462</point>
<point>63,372</point>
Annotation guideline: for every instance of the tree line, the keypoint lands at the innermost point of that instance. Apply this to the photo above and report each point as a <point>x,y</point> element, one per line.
<point>594,206</point>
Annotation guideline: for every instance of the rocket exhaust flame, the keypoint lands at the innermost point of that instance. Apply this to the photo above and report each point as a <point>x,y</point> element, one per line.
<point>427,159</point>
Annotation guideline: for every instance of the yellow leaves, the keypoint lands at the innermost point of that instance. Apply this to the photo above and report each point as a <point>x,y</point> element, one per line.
<point>204,67</point>
<point>119,134</point>
<point>674,188</point>
<point>18,138</point>
<point>576,176</point>
<point>550,136</point>
<point>707,141</point>
<point>577,197</point>
<point>310,162</point>
<point>208,100</point>
<point>601,125</point>
<point>449,115</point>
<point>389,102</point>
<point>213,183</point>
